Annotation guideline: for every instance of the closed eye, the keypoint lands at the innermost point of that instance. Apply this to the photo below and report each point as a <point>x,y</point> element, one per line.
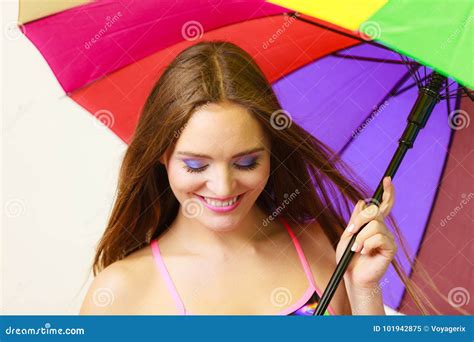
<point>190,169</point>
<point>246,167</point>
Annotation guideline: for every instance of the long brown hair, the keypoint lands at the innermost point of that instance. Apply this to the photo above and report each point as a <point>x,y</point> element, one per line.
<point>212,72</point>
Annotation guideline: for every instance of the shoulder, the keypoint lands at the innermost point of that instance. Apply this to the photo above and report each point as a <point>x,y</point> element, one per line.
<point>314,241</point>
<point>112,290</point>
<point>321,255</point>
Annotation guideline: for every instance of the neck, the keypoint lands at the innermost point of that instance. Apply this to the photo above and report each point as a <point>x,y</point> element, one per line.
<point>247,235</point>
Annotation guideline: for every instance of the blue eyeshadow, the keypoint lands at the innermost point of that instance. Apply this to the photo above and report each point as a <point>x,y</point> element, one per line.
<point>193,164</point>
<point>247,161</point>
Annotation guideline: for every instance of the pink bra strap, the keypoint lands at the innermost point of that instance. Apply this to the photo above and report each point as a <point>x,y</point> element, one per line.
<point>166,276</point>
<point>301,255</point>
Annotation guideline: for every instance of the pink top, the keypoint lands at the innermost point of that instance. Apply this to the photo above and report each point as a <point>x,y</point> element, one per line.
<point>289,310</point>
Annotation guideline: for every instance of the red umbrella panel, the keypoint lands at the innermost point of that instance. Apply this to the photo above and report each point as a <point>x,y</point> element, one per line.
<point>121,94</point>
<point>449,229</point>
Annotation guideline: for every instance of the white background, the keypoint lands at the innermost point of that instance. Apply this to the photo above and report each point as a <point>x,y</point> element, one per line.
<point>59,173</point>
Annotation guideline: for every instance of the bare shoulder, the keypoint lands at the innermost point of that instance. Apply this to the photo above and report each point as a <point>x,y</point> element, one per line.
<point>114,289</point>
<point>321,255</point>
<point>314,241</point>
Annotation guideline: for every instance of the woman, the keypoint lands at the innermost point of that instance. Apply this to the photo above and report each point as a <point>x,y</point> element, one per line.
<point>222,210</point>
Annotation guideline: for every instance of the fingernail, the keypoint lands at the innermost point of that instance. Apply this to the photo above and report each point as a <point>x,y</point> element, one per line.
<point>350,228</point>
<point>362,251</point>
<point>354,247</point>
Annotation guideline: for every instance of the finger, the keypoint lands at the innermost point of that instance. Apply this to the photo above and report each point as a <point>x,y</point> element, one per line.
<point>388,196</point>
<point>379,242</point>
<point>368,214</point>
<point>360,205</point>
<point>372,228</point>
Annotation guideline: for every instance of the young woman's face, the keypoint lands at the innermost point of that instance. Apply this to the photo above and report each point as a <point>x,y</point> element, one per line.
<point>219,165</point>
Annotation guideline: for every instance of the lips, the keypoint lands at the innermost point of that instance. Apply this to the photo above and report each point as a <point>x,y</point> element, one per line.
<point>228,204</point>
<point>220,200</point>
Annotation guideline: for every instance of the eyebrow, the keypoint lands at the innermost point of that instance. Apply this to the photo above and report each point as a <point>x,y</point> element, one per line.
<point>243,153</point>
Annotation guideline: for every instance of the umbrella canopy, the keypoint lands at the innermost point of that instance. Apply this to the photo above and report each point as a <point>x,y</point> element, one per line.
<point>449,227</point>
<point>322,73</point>
<point>445,29</point>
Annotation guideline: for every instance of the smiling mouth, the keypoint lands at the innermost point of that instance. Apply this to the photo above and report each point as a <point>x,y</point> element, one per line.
<point>221,204</point>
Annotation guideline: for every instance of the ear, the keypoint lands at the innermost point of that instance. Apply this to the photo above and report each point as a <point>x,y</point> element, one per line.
<point>164,158</point>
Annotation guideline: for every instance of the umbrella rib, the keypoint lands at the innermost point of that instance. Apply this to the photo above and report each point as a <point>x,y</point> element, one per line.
<point>456,92</point>
<point>368,59</point>
<point>447,85</point>
<point>448,102</point>
<point>465,93</point>
<point>469,94</point>
<point>391,93</point>
<point>418,72</point>
<point>413,71</point>
<point>404,89</point>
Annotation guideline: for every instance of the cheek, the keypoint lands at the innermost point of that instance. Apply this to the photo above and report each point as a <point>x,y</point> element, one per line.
<point>259,177</point>
<point>254,181</point>
<point>181,181</point>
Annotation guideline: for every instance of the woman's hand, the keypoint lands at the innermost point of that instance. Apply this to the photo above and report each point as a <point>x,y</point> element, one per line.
<point>374,246</point>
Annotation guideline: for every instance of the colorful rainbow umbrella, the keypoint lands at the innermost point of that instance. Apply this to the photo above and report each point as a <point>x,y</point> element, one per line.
<point>349,91</point>
<point>438,35</point>
<point>435,33</point>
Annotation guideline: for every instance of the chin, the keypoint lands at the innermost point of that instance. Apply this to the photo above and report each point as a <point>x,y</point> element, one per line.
<point>222,224</point>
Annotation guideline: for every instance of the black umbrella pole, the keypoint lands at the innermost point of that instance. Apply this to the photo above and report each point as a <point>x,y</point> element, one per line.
<point>427,99</point>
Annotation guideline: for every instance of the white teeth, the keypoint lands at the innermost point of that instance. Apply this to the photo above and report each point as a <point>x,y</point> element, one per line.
<point>216,203</point>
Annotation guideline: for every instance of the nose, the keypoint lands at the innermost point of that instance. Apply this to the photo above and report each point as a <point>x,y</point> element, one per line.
<point>222,182</point>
